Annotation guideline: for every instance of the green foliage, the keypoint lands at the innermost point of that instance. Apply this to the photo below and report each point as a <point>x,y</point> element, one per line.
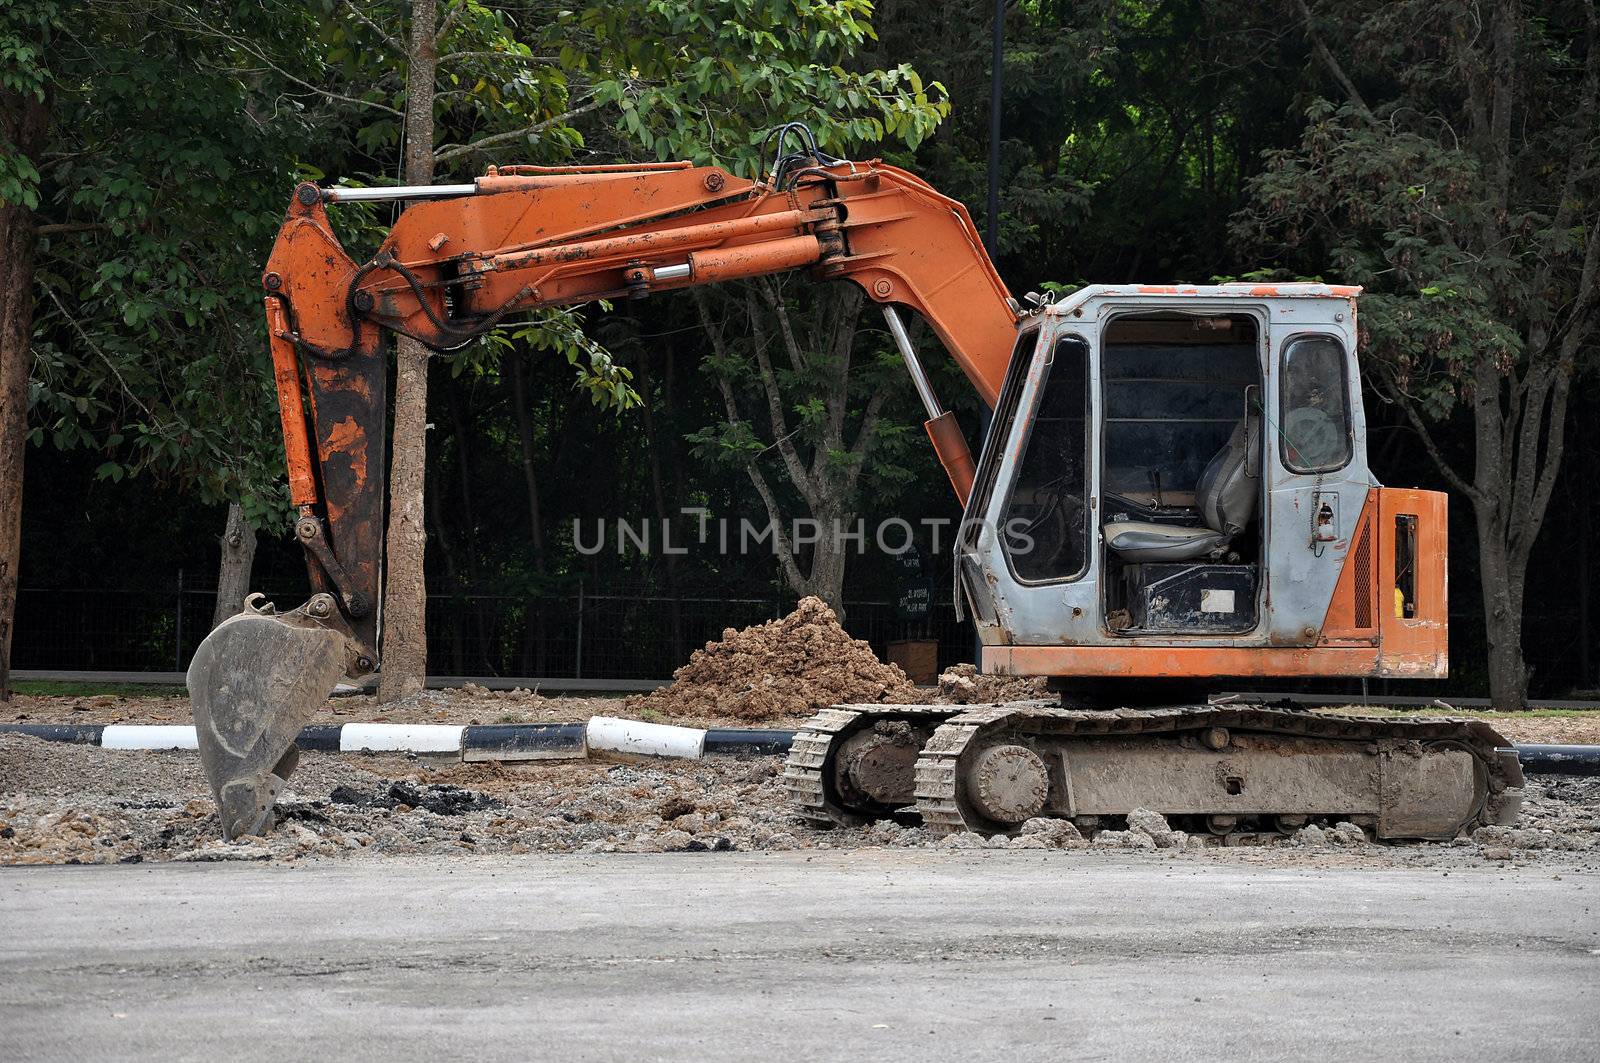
<point>1409,202</point>
<point>149,347</point>
<point>706,81</point>
<point>559,330</point>
<point>25,27</point>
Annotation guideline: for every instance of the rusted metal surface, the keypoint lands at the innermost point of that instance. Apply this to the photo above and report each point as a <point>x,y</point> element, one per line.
<point>950,444</point>
<point>291,411</point>
<point>1008,783</point>
<point>254,682</point>
<point>451,268</point>
<point>1149,658</point>
<point>1401,778</point>
<point>816,766</point>
<point>878,764</point>
<point>1226,767</point>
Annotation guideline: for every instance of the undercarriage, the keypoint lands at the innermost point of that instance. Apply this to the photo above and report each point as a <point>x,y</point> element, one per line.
<point>1224,769</point>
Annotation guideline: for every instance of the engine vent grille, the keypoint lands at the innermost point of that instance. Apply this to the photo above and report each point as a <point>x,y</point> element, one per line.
<point>1363,604</point>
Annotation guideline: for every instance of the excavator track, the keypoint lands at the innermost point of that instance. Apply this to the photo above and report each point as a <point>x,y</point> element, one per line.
<point>813,772</point>
<point>989,769</point>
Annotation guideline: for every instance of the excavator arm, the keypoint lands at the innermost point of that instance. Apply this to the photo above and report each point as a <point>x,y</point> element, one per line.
<point>465,259</point>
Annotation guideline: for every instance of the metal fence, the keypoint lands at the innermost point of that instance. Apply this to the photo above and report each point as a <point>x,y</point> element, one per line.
<point>589,633</point>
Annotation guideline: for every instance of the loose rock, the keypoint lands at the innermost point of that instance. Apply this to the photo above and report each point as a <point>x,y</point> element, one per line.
<point>1057,833</point>
<point>1154,825</point>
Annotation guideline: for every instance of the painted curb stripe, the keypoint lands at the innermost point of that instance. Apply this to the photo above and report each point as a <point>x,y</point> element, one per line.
<point>319,738</point>
<point>147,736</point>
<point>1559,760</point>
<point>525,741</point>
<point>81,733</point>
<point>646,739</point>
<point>400,738</point>
<point>744,741</point>
<point>573,741</point>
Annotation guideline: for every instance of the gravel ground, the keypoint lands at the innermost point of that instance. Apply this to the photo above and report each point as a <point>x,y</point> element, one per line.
<point>62,803</point>
<point>475,705</point>
<point>471,704</point>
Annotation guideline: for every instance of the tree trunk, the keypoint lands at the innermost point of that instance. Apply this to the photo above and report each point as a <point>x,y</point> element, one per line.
<point>25,121</point>
<point>1502,618</point>
<point>534,627</point>
<point>658,495</point>
<point>405,590</point>
<point>829,556</point>
<point>238,556</point>
<point>452,574</point>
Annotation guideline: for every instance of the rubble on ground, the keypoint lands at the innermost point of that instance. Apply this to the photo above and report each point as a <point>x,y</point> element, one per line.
<point>67,803</point>
<point>783,670</point>
<point>963,684</point>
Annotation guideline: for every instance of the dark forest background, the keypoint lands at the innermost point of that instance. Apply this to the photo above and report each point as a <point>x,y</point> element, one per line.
<point>1172,141</point>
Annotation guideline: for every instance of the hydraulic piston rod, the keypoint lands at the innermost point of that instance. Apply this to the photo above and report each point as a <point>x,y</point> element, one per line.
<point>919,378</point>
<point>392,192</point>
<point>943,431</point>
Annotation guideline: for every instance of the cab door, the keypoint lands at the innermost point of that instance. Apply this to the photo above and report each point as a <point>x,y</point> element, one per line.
<point>1026,551</point>
<point>1317,458</point>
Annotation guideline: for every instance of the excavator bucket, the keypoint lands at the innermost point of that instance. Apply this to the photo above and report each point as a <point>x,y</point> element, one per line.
<point>254,682</point>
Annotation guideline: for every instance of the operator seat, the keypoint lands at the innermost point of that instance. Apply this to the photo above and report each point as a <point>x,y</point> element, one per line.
<point>1227,495</point>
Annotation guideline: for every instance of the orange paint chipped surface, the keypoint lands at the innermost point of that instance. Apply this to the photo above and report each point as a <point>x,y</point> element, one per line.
<point>1185,662</point>
<point>347,439</point>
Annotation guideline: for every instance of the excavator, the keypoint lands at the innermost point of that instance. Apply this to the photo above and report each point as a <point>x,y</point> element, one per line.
<point>1174,490</point>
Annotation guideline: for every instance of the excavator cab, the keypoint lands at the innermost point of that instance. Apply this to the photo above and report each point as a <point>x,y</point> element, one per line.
<point>1175,486</point>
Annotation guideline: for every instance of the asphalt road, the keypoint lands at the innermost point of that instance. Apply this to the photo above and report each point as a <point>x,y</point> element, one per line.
<point>859,956</point>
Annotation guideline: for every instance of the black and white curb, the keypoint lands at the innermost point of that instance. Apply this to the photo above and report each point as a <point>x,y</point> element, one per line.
<point>575,741</point>
<point>473,742</point>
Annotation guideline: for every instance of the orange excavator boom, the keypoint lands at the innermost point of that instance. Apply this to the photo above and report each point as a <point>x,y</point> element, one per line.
<point>462,260</point>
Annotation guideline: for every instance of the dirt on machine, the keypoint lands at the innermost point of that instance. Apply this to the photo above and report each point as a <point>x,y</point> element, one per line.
<point>1174,490</point>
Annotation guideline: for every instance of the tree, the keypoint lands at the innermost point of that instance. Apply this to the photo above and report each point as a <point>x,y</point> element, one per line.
<point>24,118</point>
<point>711,103</point>
<point>238,557</point>
<point>703,82</point>
<point>405,637</point>
<point>836,403</point>
<point>1459,182</point>
<point>142,354</point>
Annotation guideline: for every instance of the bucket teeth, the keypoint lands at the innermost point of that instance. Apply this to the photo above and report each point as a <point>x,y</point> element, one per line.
<point>254,682</point>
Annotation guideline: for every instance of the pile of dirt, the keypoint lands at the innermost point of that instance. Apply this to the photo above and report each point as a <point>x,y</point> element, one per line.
<point>781,670</point>
<point>963,684</point>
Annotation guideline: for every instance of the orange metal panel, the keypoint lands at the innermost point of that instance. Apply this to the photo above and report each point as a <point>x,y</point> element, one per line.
<point>954,454</point>
<point>1418,646</point>
<point>1352,614</point>
<point>910,245</point>
<point>1147,661</point>
<point>753,260</point>
<point>291,412</point>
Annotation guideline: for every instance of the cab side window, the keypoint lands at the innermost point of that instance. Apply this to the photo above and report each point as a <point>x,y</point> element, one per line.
<point>1046,519</point>
<point>1314,414</point>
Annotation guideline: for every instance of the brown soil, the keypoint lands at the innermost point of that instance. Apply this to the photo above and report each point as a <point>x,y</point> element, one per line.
<point>963,684</point>
<point>784,669</point>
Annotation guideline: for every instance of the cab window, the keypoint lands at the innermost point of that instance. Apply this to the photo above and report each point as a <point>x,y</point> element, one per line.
<point>1314,415</point>
<point>1045,524</point>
